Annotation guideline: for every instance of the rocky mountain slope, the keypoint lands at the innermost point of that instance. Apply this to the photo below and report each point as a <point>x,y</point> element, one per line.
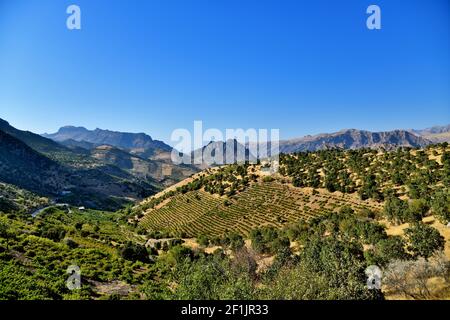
<point>162,171</point>
<point>136,153</point>
<point>23,166</point>
<point>219,153</point>
<point>354,139</point>
<point>137,143</point>
<point>344,139</point>
<point>43,166</point>
<point>435,134</point>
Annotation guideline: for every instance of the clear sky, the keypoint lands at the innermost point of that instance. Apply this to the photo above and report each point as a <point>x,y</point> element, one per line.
<point>152,66</point>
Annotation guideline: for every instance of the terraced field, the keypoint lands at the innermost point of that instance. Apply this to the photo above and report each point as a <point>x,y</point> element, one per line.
<point>262,204</point>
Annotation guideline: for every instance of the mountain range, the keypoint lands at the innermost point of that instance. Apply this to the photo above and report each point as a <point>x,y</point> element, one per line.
<point>144,146</point>
<point>136,153</point>
<point>228,152</point>
<point>344,139</point>
<point>86,173</point>
<point>435,134</point>
<point>88,183</point>
<point>354,139</point>
<point>136,143</point>
<point>103,168</point>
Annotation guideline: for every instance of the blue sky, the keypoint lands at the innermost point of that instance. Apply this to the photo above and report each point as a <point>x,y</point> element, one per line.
<point>304,67</point>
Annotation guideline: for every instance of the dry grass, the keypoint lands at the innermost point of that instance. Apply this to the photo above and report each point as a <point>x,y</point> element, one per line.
<point>398,230</point>
<point>437,285</point>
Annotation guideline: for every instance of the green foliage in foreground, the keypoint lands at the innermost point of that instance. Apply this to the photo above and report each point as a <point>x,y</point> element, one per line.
<point>331,262</point>
<point>329,269</point>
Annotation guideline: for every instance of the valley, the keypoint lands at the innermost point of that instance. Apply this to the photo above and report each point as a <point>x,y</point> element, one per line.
<point>104,177</point>
<point>224,159</point>
<point>140,227</point>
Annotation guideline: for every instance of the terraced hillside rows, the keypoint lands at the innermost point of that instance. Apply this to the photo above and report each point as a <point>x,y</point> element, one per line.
<point>262,204</point>
<point>239,198</point>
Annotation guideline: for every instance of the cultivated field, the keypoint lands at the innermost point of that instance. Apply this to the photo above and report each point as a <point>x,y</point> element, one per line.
<point>262,204</point>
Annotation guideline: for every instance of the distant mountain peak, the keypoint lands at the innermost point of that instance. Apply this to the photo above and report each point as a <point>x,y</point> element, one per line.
<point>436,133</point>
<point>354,139</point>
<point>71,129</point>
<point>4,122</point>
<point>139,143</point>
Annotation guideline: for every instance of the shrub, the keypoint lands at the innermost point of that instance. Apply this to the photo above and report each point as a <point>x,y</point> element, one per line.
<point>423,240</point>
<point>327,269</point>
<point>440,205</point>
<point>203,240</point>
<point>53,233</point>
<point>70,243</point>
<point>387,250</point>
<point>236,241</point>
<point>179,253</point>
<point>396,210</point>
<point>417,210</point>
<point>411,277</point>
<point>134,252</point>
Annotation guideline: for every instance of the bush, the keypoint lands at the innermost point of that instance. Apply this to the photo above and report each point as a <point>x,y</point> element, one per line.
<point>440,205</point>
<point>203,240</point>
<point>370,232</point>
<point>70,243</point>
<point>411,277</point>
<point>236,241</point>
<point>53,233</point>
<point>134,252</point>
<point>211,278</point>
<point>281,244</point>
<point>417,210</point>
<point>367,213</point>
<point>423,240</point>
<point>178,254</point>
<point>396,210</point>
<point>328,269</point>
<point>257,240</point>
<point>387,250</point>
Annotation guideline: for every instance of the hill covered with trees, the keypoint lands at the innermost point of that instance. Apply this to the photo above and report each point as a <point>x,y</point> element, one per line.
<point>309,231</point>
<point>239,197</point>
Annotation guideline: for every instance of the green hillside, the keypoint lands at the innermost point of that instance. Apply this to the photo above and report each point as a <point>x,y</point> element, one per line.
<point>14,199</point>
<point>238,198</point>
<point>236,232</point>
<point>262,204</point>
